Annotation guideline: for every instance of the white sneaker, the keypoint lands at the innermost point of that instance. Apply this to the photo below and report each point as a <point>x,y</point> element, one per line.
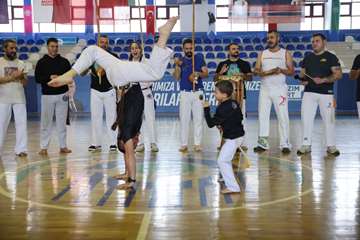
<point>304,149</point>
<point>333,151</point>
<point>140,148</point>
<point>154,147</point>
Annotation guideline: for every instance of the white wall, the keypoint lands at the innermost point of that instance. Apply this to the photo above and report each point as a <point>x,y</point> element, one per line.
<point>289,27</point>
<point>201,17</point>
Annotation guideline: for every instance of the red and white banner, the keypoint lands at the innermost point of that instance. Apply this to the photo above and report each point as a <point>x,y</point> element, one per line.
<point>150,20</point>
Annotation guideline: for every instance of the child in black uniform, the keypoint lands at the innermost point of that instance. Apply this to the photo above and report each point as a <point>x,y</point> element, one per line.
<point>229,117</point>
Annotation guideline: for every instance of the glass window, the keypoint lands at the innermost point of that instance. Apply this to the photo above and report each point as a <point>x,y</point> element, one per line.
<point>78,3</point>
<point>344,9</point>
<point>106,13</point>
<point>222,12</point>
<point>17,13</point>
<point>135,12</point>
<point>160,2</point>
<point>78,28</point>
<point>318,10</point>
<point>345,23</point>
<point>161,13</point>
<point>47,27</point>
<point>63,28</point>
<point>174,12</point>
<point>17,2</point>
<point>121,13</point>
<point>317,24</point>
<point>78,13</point>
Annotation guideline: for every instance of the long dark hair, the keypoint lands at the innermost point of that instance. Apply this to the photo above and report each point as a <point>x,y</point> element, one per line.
<point>141,51</point>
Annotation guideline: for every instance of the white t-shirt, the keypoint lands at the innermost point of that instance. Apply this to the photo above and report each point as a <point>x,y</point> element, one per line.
<point>271,60</point>
<point>11,92</point>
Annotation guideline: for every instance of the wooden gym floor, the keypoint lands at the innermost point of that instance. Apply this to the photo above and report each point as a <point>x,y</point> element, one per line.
<point>284,196</point>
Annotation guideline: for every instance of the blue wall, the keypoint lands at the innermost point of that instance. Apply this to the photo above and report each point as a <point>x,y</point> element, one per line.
<point>166,94</point>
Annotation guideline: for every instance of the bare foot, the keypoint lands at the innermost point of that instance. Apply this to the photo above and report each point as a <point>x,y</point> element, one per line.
<point>65,150</point>
<point>65,79</point>
<point>165,30</point>
<point>122,176</point>
<point>43,152</point>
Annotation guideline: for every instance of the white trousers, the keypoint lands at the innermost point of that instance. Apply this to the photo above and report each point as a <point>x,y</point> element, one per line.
<point>99,101</point>
<point>50,105</point>
<point>278,96</point>
<point>309,105</point>
<point>119,72</point>
<point>20,117</point>
<point>225,162</point>
<point>191,104</point>
<point>148,132</point>
<point>358,107</point>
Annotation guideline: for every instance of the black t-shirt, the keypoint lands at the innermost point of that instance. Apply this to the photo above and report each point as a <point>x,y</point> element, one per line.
<point>228,115</point>
<point>235,67</point>
<point>48,66</point>
<point>319,66</point>
<point>105,85</point>
<point>356,66</point>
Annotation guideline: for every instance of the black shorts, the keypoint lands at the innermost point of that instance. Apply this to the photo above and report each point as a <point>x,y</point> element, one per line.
<point>133,113</point>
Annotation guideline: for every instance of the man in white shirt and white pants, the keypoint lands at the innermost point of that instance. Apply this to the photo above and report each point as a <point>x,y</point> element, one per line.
<point>273,65</point>
<point>12,98</point>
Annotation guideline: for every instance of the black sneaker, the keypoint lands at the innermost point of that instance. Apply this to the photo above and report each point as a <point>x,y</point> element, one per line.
<point>286,150</point>
<point>93,148</point>
<point>259,149</point>
<point>113,148</point>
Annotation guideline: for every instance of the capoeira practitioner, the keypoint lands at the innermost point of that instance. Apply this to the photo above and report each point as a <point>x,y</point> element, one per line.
<point>319,71</point>
<point>54,100</point>
<point>273,65</point>
<point>190,102</point>
<point>234,66</point>
<point>147,137</point>
<point>12,97</point>
<point>355,75</point>
<point>102,96</point>
<point>229,117</point>
<point>121,73</point>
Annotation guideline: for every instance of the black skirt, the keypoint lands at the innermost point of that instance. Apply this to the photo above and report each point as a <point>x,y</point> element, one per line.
<point>132,114</point>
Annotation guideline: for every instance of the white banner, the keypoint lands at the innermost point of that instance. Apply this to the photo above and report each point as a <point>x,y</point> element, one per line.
<point>43,11</point>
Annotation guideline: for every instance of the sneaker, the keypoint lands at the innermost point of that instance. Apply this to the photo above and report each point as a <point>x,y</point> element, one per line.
<point>304,149</point>
<point>259,149</point>
<point>263,143</point>
<point>154,147</point>
<point>285,150</point>
<point>333,151</point>
<point>140,148</point>
<point>113,148</point>
<point>93,148</point>
<point>22,154</point>
<point>244,148</point>
<point>183,149</point>
<point>197,148</point>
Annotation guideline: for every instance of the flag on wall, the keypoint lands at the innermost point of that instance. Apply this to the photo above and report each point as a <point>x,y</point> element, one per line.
<point>4,17</point>
<point>266,11</point>
<point>72,11</point>
<point>150,20</point>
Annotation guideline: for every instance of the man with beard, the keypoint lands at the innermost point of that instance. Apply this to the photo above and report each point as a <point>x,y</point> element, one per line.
<point>319,71</point>
<point>54,100</point>
<point>102,95</point>
<point>234,66</point>
<point>273,65</point>
<point>190,102</point>
<point>12,97</point>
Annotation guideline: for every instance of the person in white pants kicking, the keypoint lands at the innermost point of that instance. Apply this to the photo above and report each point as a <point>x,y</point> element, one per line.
<point>122,73</point>
<point>228,117</point>
<point>319,71</point>
<point>273,65</point>
<point>102,96</point>
<point>54,101</point>
<point>355,75</point>
<point>12,97</point>
<point>147,140</point>
<point>232,67</point>
<point>190,102</point>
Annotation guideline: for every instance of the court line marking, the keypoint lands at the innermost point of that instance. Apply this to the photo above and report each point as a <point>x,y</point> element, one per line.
<point>144,227</point>
<point>169,211</point>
